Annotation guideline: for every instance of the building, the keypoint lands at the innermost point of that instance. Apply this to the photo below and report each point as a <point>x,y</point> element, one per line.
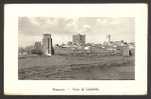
<point>47,45</point>
<point>109,38</point>
<point>78,39</point>
<point>126,51</point>
<point>37,45</point>
<point>37,49</point>
<point>108,41</point>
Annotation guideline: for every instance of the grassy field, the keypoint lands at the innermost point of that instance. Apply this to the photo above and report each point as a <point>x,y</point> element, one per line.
<point>63,67</point>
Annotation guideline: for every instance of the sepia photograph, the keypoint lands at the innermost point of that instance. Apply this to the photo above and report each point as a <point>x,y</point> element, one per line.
<point>81,48</point>
<point>75,49</point>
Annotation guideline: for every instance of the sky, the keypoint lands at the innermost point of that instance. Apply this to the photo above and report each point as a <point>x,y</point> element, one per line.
<point>96,29</point>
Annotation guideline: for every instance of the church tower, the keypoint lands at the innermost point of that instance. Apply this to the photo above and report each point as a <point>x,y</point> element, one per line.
<point>108,38</point>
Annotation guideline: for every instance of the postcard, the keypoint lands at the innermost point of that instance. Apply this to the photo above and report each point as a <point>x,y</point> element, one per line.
<point>75,49</point>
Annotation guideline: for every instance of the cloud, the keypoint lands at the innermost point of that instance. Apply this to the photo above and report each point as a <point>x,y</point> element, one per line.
<point>40,25</point>
<point>111,21</point>
<point>72,25</point>
<point>85,29</point>
<point>28,26</point>
<point>62,28</point>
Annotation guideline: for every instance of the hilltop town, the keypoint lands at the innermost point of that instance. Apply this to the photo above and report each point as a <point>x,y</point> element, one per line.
<point>78,46</point>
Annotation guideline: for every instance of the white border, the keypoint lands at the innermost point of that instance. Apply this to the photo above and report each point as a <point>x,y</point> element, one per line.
<point>13,86</point>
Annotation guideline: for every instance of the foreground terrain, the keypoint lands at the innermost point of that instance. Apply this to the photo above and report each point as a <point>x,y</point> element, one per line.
<point>63,67</point>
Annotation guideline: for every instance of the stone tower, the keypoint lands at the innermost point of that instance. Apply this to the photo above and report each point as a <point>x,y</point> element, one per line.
<point>78,39</point>
<point>47,45</point>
